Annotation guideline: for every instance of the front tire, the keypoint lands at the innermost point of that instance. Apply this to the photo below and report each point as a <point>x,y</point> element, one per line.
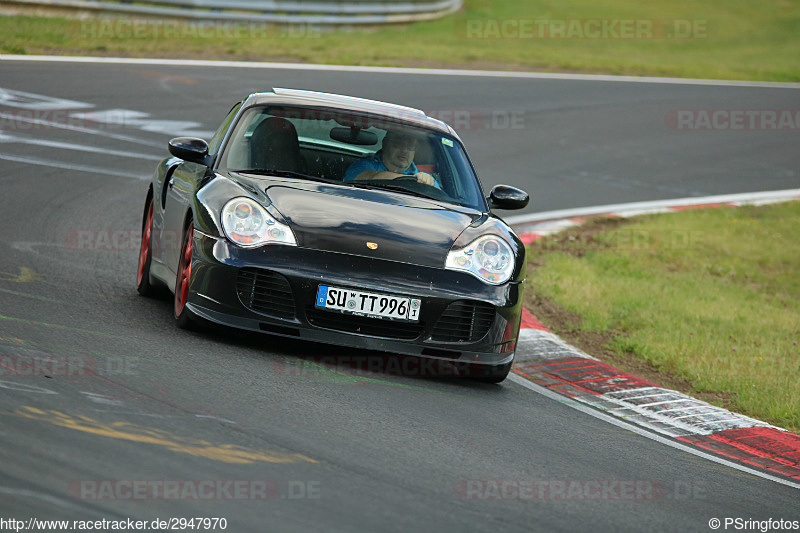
<point>183,316</point>
<point>145,253</point>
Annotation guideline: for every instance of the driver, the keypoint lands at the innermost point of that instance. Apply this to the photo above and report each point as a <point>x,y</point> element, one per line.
<point>394,160</point>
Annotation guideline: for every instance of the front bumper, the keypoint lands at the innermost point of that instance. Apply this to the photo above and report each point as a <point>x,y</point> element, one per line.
<point>480,326</point>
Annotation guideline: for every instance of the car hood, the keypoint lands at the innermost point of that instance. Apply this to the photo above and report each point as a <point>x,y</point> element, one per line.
<point>370,223</point>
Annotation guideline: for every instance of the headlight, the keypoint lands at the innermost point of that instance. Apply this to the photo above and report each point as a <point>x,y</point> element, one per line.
<point>248,224</point>
<point>488,258</point>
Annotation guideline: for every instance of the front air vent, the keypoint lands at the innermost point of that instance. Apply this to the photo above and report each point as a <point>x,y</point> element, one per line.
<point>265,292</point>
<point>464,321</point>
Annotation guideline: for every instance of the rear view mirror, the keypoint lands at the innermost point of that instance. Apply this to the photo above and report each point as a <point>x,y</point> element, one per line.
<point>354,136</point>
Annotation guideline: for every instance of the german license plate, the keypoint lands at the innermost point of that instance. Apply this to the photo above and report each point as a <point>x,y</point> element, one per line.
<point>368,303</point>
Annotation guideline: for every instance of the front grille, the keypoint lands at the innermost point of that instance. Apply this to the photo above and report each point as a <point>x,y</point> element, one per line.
<point>464,321</point>
<point>375,327</point>
<point>265,292</point>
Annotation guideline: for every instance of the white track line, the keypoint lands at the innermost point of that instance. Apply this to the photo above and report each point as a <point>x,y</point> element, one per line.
<point>516,378</point>
<point>6,138</point>
<point>25,493</point>
<point>71,127</point>
<point>743,198</point>
<point>395,70</point>
<point>67,166</point>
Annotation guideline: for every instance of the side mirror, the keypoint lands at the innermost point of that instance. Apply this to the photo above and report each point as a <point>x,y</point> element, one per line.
<point>507,197</point>
<point>189,149</point>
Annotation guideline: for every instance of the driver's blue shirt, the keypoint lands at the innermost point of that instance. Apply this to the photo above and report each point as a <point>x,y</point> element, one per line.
<point>373,162</point>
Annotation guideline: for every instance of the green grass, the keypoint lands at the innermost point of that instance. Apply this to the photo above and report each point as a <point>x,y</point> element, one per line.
<point>707,296</point>
<point>738,39</point>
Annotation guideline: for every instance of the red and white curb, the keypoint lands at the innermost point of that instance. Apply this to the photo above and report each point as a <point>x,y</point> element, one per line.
<point>552,363</point>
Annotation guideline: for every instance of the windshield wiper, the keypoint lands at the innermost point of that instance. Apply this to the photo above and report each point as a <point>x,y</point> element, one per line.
<point>285,174</point>
<point>390,187</point>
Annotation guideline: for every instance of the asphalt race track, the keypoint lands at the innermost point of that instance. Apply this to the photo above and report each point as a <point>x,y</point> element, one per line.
<point>237,420</point>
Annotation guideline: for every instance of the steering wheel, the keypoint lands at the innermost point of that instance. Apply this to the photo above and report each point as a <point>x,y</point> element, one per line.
<point>412,178</point>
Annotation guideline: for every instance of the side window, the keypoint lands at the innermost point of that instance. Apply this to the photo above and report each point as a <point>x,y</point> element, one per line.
<point>456,174</point>
<point>216,140</point>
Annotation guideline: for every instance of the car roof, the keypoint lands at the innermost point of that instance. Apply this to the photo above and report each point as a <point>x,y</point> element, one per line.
<point>320,100</point>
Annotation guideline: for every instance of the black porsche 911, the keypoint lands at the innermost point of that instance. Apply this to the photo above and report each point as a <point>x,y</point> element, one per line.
<point>340,220</point>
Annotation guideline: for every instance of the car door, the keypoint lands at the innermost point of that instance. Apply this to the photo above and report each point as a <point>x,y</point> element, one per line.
<point>180,189</point>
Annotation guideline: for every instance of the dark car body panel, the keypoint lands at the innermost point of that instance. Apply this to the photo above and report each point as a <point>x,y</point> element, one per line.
<point>343,219</point>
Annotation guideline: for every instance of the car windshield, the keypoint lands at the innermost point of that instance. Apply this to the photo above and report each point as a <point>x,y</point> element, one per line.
<point>352,149</point>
